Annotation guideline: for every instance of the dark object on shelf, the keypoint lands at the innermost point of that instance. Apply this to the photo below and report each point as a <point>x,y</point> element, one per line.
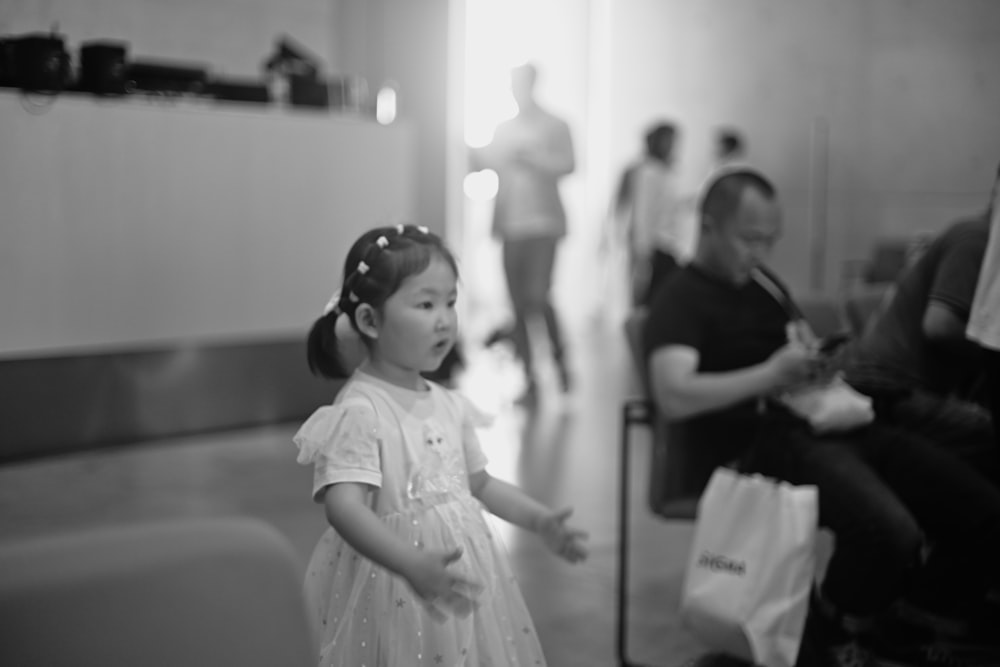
<point>290,59</point>
<point>102,67</point>
<point>36,61</point>
<point>165,77</point>
<point>239,90</point>
<point>308,91</point>
<point>306,86</point>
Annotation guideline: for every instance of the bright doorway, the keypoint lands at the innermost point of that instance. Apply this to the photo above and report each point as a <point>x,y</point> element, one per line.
<point>566,40</point>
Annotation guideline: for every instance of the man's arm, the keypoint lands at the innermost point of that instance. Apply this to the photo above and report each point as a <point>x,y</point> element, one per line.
<point>555,158</point>
<point>680,391</point>
<point>945,329</point>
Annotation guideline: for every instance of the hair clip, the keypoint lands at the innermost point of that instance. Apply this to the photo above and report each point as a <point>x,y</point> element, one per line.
<point>362,267</point>
<point>352,297</point>
<point>400,228</point>
<point>423,230</point>
<point>333,305</point>
<point>382,242</point>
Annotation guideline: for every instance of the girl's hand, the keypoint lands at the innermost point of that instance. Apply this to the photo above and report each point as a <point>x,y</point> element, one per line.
<point>563,540</point>
<point>441,588</point>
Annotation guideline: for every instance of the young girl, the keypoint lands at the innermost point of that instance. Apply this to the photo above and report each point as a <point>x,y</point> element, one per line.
<point>410,573</point>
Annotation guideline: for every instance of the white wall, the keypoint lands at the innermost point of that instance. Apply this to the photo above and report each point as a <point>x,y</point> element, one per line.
<point>889,107</point>
<point>125,222</point>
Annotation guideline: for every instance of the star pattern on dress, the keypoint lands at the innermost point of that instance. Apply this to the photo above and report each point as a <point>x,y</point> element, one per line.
<point>400,602</point>
<point>439,658</point>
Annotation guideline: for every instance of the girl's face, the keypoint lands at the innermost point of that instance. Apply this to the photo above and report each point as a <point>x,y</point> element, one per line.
<point>417,325</point>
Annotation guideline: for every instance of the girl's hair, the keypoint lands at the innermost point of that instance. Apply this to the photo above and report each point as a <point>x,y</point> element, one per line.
<point>376,266</point>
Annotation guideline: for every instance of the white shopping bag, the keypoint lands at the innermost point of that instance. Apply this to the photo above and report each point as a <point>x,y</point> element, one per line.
<point>751,568</point>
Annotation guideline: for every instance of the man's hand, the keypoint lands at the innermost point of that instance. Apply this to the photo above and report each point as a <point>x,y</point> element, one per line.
<point>795,363</point>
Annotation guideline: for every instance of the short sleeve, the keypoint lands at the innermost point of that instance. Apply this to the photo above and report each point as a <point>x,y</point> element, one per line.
<point>673,320</point>
<point>956,277</point>
<point>341,442</point>
<point>473,418</point>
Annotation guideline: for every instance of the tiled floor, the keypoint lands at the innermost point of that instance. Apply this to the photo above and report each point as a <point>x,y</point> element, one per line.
<point>565,452</point>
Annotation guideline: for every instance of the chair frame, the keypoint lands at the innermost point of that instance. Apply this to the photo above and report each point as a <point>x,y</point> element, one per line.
<point>635,412</point>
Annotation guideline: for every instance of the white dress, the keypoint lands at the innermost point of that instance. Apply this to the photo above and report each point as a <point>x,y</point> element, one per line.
<point>416,450</point>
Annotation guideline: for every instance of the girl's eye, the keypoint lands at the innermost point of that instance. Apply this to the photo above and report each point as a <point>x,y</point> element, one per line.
<point>426,305</point>
<point>451,302</point>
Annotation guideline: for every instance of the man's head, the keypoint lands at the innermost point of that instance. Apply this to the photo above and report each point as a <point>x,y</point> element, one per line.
<point>660,141</point>
<point>728,145</point>
<point>522,84</point>
<point>740,223</point>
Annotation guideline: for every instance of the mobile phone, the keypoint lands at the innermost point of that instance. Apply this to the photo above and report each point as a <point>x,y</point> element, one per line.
<point>833,342</point>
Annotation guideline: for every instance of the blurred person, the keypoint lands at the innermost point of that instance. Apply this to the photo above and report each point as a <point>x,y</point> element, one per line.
<point>730,148</point>
<point>646,208</point>
<point>984,318</point>
<point>530,154</point>
<point>914,358</point>
<point>721,344</point>
<point>408,572</point>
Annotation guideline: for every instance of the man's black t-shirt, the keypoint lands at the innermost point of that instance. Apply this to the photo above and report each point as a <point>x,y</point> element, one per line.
<point>732,327</point>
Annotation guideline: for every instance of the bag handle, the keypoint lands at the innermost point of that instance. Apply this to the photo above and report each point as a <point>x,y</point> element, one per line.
<point>763,277</point>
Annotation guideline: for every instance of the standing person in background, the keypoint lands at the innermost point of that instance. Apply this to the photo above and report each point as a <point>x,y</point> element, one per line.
<point>647,208</point>
<point>409,573</point>
<point>984,317</point>
<point>729,148</point>
<point>530,153</point>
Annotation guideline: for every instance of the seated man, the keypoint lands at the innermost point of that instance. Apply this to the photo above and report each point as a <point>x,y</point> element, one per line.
<point>718,349</point>
<point>915,361</point>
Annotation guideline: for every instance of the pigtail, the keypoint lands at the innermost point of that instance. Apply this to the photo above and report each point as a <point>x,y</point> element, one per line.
<point>323,350</point>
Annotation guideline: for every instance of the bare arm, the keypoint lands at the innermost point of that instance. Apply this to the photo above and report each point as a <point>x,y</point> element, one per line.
<point>680,391</point>
<point>512,504</point>
<point>944,329</point>
<point>349,514</point>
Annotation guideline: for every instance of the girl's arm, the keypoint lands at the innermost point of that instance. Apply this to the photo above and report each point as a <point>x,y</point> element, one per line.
<point>349,514</point>
<point>511,504</point>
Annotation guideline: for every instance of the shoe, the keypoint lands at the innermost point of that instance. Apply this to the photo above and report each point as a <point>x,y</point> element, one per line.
<point>826,642</point>
<point>909,637</point>
<point>847,654</point>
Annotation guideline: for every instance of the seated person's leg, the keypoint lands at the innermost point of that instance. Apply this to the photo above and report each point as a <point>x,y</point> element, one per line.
<point>961,427</point>
<point>878,542</point>
<point>957,508</point>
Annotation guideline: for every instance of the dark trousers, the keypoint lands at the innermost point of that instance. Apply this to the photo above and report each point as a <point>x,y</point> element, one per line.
<point>992,364</point>
<point>528,265</point>
<point>887,494</point>
<point>960,426</point>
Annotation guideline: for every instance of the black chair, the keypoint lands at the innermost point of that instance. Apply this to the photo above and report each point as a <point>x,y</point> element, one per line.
<point>673,491</point>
